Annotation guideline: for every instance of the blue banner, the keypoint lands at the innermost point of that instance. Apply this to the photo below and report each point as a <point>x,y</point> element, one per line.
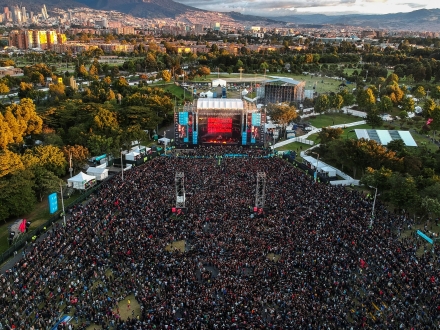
<point>256,119</point>
<point>53,203</point>
<point>195,137</point>
<point>425,237</point>
<point>243,138</point>
<point>183,118</point>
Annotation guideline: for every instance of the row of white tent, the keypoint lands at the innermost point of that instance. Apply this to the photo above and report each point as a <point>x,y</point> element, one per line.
<point>320,166</point>
<point>83,180</point>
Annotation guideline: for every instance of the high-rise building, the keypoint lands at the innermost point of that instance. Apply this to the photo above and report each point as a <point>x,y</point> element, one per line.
<point>44,12</point>
<point>23,15</point>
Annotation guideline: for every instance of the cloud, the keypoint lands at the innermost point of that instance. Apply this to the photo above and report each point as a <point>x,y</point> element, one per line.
<point>285,7</point>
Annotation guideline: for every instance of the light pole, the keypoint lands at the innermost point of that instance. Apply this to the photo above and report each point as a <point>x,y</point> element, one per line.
<point>122,167</point>
<point>372,211</point>
<point>165,141</point>
<point>317,165</point>
<point>62,204</point>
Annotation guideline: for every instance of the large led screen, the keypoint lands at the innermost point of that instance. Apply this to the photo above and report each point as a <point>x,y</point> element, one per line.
<point>224,130</point>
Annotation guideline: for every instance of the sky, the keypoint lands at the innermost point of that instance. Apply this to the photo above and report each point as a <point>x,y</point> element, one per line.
<point>268,8</point>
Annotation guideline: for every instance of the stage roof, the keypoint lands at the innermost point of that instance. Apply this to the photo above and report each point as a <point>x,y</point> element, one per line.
<point>214,103</point>
<point>383,137</point>
<point>283,80</point>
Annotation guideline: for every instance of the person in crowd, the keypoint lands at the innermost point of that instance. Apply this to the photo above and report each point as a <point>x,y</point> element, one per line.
<point>309,260</point>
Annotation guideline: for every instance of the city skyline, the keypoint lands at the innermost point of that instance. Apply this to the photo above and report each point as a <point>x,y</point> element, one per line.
<point>273,8</point>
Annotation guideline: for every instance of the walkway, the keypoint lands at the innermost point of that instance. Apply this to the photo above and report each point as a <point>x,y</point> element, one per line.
<point>347,180</point>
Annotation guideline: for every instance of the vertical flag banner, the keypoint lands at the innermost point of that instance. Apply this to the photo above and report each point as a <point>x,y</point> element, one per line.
<point>53,203</point>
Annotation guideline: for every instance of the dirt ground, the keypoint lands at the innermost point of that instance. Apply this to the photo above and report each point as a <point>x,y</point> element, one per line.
<point>177,245</point>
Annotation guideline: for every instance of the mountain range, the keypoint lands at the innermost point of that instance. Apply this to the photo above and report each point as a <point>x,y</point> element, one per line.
<point>418,20</point>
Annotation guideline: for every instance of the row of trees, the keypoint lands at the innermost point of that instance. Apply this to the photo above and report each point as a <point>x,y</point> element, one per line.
<point>405,176</point>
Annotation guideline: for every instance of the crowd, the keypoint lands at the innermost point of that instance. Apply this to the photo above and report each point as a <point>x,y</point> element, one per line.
<point>311,261</point>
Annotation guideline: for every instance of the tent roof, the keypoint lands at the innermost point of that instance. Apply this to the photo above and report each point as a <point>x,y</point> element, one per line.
<point>383,137</point>
<point>219,104</point>
<point>81,177</point>
<point>164,139</point>
<point>96,170</point>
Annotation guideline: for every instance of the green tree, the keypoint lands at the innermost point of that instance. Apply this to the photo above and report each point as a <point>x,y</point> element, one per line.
<point>166,75</point>
<point>6,135</point>
<point>57,92</point>
<point>29,122</point>
<point>81,71</point>
<point>10,163</point>
<point>428,108</point>
<point>408,104</point>
<point>76,156</point>
<point>435,116</point>
<point>337,102</point>
<point>403,191</point>
<point>322,103</point>
<point>99,144</point>
<point>16,194</point>
<point>26,90</point>
<point>435,93</point>
<point>419,92</point>
<point>366,99</point>
<point>373,119</point>
<point>385,105</point>
<point>328,134</point>
<point>204,71</point>
<point>282,114</point>
<point>47,156</point>
<point>44,182</point>
<point>4,89</point>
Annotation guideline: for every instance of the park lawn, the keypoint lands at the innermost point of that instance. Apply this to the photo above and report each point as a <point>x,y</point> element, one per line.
<point>330,119</point>
<point>295,146</point>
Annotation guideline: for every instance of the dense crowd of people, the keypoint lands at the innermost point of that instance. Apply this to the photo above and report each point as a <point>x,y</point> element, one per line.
<point>310,261</point>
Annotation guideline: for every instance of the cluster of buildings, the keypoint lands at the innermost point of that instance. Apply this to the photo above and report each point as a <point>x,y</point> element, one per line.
<point>19,15</point>
<point>36,39</point>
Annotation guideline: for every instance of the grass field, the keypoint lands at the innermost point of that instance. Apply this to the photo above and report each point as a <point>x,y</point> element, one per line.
<point>330,119</point>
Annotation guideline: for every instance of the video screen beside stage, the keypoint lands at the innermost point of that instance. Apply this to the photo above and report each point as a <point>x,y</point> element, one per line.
<point>222,130</point>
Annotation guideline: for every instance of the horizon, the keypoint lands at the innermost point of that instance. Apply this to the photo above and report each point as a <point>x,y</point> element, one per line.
<point>279,8</point>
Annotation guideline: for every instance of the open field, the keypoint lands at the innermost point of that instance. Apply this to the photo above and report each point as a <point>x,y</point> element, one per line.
<point>330,119</point>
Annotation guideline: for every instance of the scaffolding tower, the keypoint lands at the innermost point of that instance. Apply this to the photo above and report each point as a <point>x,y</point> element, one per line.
<point>180,190</point>
<point>260,194</point>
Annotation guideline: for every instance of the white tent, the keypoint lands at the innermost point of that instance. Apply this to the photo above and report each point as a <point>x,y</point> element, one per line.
<point>164,140</point>
<point>244,92</point>
<point>99,173</point>
<point>329,170</point>
<point>220,82</point>
<point>81,181</point>
<point>132,155</point>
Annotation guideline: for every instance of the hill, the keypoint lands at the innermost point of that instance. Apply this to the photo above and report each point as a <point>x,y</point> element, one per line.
<point>418,20</point>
